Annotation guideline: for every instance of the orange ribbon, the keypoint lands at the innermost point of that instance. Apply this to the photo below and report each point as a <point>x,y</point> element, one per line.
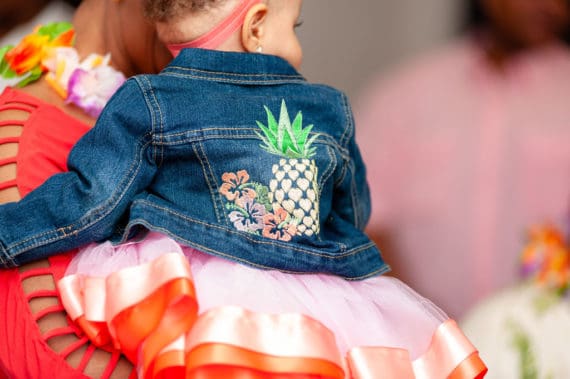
<point>153,319</point>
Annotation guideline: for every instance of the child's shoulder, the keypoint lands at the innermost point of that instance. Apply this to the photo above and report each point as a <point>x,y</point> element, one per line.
<point>326,88</point>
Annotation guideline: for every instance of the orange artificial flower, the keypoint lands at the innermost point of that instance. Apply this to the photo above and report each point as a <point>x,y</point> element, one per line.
<point>33,49</point>
<point>28,54</point>
<point>546,258</point>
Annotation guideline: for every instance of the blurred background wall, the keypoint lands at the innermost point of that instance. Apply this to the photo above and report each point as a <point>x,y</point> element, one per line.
<point>346,42</point>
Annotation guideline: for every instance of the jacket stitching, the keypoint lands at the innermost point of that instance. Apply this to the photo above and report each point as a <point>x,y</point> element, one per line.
<point>143,87</point>
<point>261,241</point>
<point>152,102</point>
<point>353,194</point>
<point>161,151</point>
<point>166,141</point>
<point>208,176</point>
<point>233,81</point>
<point>349,130</point>
<point>205,249</point>
<point>329,170</point>
<point>207,72</point>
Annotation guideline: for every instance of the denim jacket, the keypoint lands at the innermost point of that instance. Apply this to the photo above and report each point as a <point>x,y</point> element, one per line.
<point>233,154</point>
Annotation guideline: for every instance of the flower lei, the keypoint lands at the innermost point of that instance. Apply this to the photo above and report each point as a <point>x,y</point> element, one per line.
<point>49,50</point>
<point>546,259</point>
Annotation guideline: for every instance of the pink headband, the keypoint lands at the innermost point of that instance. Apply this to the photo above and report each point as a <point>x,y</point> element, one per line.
<point>221,32</point>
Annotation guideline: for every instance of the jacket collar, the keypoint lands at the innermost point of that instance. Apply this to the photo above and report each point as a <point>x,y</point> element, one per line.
<point>241,66</point>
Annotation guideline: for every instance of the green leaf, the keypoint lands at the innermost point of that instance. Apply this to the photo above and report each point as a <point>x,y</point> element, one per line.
<point>267,132</point>
<point>294,130</point>
<point>521,341</point>
<point>263,139</point>
<point>290,154</point>
<point>32,76</point>
<point>3,52</point>
<point>270,149</point>
<point>284,125</point>
<point>287,142</point>
<point>302,138</point>
<point>284,138</point>
<point>54,29</point>
<point>5,70</point>
<point>311,150</point>
<point>271,121</point>
<point>298,123</point>
<point>262,195</point>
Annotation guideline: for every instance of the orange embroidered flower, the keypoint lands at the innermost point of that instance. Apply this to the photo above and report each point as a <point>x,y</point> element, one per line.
<point>234,188</point>
<point>279,226</point>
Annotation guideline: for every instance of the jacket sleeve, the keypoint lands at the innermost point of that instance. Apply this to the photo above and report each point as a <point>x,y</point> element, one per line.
<point>107,167</point>
<point>351,198</point>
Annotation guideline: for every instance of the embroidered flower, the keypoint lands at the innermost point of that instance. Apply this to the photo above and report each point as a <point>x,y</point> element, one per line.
<point>249,218</point>
<point>279,225</point>
<point>235,189</point>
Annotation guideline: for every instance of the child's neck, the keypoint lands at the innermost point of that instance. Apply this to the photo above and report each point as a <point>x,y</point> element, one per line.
<point>210,29</point>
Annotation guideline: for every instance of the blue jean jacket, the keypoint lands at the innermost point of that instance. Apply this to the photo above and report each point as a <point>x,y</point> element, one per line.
<point>233,154</point>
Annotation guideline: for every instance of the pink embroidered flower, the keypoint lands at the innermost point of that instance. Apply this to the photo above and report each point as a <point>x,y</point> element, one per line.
<point>250,217</point>
<point>91,89</point>
<point>279,226</point>
<point>234,188</point>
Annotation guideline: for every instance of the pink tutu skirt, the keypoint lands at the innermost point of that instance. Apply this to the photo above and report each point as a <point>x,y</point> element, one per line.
<point>180,313</point>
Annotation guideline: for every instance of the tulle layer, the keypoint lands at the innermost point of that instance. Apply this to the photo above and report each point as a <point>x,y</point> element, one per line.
<point>180,313</point>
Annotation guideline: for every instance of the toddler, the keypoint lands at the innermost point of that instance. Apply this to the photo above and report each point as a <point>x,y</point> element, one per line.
<point>239,197</point>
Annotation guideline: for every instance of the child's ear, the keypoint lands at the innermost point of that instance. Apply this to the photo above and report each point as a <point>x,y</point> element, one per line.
<point>253,28</point>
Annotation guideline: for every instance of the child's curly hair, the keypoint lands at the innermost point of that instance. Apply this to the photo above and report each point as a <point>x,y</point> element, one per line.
<point>161,10</point>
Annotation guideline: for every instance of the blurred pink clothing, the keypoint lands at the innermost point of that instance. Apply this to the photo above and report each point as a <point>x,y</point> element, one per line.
<point>461,160</point>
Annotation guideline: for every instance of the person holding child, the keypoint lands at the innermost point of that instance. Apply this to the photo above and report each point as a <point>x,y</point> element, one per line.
<point>238,197</point>
<point>38,127</point>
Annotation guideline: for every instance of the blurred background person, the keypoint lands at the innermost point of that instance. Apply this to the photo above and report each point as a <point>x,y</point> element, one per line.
<point>379,35</point>
<point>18,17</point>
<point>468,147</point>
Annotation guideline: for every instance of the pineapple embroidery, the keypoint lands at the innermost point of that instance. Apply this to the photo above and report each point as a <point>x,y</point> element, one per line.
<point>289,205</point>
<point>294,184</point>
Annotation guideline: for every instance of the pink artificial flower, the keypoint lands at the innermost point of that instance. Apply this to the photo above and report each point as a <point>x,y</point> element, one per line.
<point>91,89</point>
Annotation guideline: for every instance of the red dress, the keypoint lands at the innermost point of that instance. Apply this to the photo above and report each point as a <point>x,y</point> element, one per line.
<point>48,134</point>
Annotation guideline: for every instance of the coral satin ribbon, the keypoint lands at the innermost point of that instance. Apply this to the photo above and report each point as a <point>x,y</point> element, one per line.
<point>450,355</point>
<point>215,37</point>
<point>153,319</point>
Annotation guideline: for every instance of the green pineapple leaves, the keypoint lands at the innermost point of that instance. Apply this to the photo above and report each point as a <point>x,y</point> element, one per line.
<point>289,140</point>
